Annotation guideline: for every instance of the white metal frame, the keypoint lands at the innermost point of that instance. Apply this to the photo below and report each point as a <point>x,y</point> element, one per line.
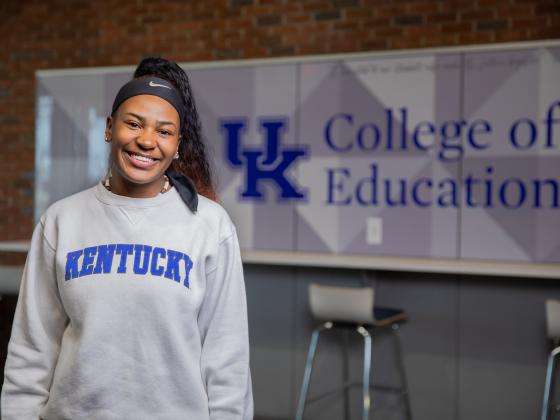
<point>315,58</point>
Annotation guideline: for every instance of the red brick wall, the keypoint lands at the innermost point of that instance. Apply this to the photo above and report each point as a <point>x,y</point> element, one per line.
<point>76,33</point>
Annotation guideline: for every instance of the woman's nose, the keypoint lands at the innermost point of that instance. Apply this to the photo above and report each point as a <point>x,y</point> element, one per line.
<point>147,139</point>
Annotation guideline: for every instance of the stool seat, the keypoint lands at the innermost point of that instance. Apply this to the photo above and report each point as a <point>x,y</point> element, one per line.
<point>382,317</point>
<point>387,316</point>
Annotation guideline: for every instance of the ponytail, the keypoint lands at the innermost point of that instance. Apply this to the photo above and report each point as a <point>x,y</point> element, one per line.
<point>192,160</point>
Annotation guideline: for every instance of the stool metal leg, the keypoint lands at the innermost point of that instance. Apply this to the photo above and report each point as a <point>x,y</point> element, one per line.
<point>308,368</point>
<point>346,376</point>
<point>548,383</point>
<point>404,384</point>
<point>366,373</point>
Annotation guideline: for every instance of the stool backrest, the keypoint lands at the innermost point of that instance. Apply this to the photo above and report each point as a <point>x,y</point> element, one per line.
<point>553,319</point>
<point>332,303</point>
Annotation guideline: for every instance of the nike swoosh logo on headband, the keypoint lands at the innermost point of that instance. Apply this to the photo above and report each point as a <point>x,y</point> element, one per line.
<point>156,84</point>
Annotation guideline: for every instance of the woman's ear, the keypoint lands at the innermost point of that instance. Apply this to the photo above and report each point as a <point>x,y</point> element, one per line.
<point>109,129</point>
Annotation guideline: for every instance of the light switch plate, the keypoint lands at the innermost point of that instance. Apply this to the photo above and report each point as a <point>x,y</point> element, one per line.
<point>374,230</point>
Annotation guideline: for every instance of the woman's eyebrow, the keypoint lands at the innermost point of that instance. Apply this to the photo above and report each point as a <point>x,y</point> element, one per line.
<point>166,123</point>
<point>142,119</point>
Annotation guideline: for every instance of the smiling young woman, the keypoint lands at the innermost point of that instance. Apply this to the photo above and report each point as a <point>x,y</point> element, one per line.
<point>144,133</point>
<point>132,302</point>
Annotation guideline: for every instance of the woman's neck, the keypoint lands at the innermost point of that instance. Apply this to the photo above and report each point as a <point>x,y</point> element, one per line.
<point>120,186</point>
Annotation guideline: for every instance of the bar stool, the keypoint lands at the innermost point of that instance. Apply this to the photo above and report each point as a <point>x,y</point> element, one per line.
<point>352,309</point>
<point>552,308</point>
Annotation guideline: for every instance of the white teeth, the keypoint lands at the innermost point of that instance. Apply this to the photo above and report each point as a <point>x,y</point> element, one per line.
<point>142,158</point>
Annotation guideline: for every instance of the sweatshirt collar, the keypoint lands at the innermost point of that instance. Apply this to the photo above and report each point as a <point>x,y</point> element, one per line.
<point>111,198</point>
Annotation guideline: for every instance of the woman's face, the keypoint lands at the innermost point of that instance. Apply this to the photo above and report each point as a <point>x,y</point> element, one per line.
<point>144,135</point>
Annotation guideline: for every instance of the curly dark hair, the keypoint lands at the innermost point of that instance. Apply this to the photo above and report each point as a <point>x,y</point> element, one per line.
<point>192,160</point>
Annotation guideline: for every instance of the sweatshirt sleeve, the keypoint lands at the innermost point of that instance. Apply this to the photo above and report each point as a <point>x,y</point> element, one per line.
<point>39,322</point>
<point>224,333</point>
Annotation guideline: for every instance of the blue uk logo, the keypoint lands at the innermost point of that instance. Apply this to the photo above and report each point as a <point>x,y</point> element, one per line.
<point>268,164</point>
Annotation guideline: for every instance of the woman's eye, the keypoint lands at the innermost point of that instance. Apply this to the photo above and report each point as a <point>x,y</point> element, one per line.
<point>133,124</point>
<point>165,133</point>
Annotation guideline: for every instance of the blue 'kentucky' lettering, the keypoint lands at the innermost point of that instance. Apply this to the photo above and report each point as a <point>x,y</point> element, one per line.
<point>123,250</point>
<point>72,264</point>
<point>104,258</point>
<point>173,258</point>
<point>141,268</point>
<point>87,263</point>
<point>270,164</point>
<point>155,269</point>
<point>159,262</point>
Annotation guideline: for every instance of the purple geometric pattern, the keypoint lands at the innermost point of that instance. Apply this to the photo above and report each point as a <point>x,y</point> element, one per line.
<point>366,90</point>
<point>506,87</point>
<point>373,105</point>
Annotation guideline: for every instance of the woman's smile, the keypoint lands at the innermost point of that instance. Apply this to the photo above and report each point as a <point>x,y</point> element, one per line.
<point>140,160</point>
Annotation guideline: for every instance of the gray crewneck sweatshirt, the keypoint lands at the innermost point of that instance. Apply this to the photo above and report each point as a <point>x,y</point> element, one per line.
<point>130,309</point>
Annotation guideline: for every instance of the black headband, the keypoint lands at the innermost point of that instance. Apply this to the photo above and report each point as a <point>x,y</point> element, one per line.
<point>151,86</point>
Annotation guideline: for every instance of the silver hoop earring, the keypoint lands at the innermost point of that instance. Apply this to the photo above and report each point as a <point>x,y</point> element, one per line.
<point>176,156</point>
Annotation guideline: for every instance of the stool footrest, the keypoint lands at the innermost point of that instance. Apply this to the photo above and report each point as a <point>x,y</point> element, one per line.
<point>383,388</point>
<point>327,393</point>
